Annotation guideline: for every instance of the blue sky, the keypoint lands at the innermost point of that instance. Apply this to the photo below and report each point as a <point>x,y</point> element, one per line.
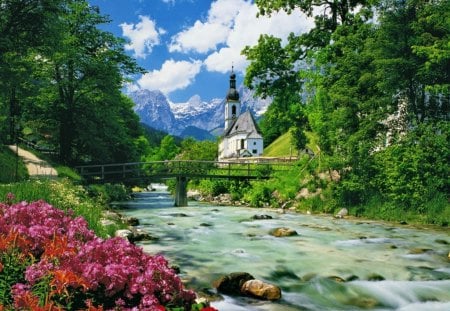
<point>189,46</point>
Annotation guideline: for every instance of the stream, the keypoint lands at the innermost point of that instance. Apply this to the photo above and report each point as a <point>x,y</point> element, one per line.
<point>386,266</point>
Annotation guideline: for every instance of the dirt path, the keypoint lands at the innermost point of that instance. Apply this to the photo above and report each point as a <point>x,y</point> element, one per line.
<point>35,166</point>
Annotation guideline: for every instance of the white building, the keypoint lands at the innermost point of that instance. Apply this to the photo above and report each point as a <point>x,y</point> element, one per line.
<point>241,137</point>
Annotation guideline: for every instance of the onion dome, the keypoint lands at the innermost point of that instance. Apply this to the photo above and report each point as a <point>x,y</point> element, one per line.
<point>232,94</point>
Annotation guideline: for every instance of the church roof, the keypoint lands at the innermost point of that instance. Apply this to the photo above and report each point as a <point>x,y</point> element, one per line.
<point>245,123</point>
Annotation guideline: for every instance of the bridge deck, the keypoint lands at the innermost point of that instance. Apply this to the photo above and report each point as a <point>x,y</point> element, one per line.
<point>181,168</point>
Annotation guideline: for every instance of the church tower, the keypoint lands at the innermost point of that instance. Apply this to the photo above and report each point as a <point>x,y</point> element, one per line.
<point>232,102</point>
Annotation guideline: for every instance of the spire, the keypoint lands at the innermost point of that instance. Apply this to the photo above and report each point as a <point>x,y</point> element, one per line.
<point>232,92</point>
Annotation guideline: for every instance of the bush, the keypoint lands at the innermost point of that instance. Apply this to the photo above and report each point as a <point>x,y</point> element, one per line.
<point>260,195</point>
<point>108,193</point>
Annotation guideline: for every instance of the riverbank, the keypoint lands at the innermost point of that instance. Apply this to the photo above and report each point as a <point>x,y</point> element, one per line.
<point>370,212</point>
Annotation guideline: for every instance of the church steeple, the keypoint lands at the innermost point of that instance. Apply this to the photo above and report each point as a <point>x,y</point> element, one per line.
<point>232,94</point>
<point>232,103</point>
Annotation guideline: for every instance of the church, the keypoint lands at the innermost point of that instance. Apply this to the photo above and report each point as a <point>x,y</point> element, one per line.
<point>241,136</point>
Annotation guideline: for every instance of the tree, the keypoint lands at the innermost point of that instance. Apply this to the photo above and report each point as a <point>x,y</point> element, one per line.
<point>82,77</point>
<point>370,87</point>
<point>17,37</point>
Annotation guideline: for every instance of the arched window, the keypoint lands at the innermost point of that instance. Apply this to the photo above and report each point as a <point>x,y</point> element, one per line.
<point>233,111</point>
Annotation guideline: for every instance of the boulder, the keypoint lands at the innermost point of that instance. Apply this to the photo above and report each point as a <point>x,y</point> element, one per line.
<point>132,221</point>
<point>375,277</point>
<point>124,233</point>
<point>141,235</point>
<point>231,284</point>
<point>256,217</point>
<point>342,213</point>
<point>261,290</point>
<point>282,232</point>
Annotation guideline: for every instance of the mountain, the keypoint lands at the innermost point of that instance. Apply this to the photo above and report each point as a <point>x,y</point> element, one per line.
<point>154,110</point>
<point>194,117</point>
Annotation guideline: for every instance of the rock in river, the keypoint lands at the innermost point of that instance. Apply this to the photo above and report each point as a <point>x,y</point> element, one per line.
<point>261,290</point>
<point>232,283</point>
<point>282,232</point>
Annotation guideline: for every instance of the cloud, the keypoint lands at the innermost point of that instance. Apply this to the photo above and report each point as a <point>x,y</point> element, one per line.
<point>205,36</point>
<point>230,26</point>
<point>143,36</point>
<point>201,38</point>
<point>173,75</point>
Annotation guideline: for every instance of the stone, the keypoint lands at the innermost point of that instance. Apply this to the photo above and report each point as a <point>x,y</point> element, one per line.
<point>418,251</point>
<point>335,278</point>
<point>179,215</point>
<point>283,232</point>
<point>375,277</point>
<point>132,221</point>
<point>256,217</point>
<point>342,213</point>
<point>231,284</point>
<point>261,290</point>
<point>141,235</point>
<point>204,224</point>
<point>442,241</point>
<point>124,233</point>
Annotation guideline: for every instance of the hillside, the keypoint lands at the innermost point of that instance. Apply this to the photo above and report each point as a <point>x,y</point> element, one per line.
<point>8,162</point>
<point>282,146</point>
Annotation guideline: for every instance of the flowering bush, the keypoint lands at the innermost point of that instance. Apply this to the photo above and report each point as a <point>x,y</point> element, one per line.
<point>50,260</point>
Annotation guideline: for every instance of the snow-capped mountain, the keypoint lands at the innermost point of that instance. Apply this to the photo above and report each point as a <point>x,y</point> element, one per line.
<point>156,111</point>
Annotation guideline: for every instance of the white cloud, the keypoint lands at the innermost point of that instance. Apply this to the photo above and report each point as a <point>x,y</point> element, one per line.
<point>231,25</point>
<point>204,36</point>
<point>201,38</point>
<point>173,75</point>
<point>246,32</point>
<point>143,36</point>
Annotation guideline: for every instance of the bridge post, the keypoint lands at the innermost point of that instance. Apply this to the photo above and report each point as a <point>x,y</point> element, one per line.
<point>181,191</point>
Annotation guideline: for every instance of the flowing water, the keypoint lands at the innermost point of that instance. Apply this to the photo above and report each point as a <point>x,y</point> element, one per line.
<point>208,241</point>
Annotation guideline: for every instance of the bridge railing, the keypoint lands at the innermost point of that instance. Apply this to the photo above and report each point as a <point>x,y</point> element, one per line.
<point>175,168</point>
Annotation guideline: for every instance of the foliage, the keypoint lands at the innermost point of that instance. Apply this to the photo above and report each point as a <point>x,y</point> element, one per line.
<point>261,194</point>
<point>412,172</point>
<point>61,79</point>
<point>167,150</point>
<point>198,150</point>
<point>375,96</point>
<point>67,172</point>
<point>73,269</point>
<point>107,193</point>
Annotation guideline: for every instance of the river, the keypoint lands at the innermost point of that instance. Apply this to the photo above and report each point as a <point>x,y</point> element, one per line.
<point>387,266</point>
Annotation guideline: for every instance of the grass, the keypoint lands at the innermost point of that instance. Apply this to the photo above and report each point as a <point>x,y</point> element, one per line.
<point>283,147</point>
<point>8,162</point>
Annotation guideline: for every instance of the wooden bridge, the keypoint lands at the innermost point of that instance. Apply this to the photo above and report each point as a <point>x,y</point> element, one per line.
<point>181,170</point>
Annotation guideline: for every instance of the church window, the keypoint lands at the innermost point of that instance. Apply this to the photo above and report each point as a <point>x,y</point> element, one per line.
<point>242,144</point>
<point>255,151</point>
<point>233,111</point>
